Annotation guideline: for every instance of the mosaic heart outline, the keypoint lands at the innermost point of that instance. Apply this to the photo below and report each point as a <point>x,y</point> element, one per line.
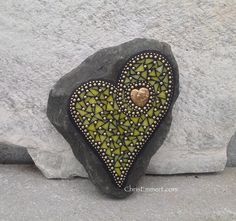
<point>114,126</point>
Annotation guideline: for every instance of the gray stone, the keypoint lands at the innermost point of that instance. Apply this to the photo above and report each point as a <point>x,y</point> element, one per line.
<point>106,64</point>
<point>12,154</point>
<point>167,198</point>
<point>41,41</point>
<point>231,152</point>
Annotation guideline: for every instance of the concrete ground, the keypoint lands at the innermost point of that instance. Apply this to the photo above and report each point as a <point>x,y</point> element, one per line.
<point>26,195</point>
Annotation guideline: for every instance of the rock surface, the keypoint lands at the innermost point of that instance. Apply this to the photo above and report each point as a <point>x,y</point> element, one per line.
<point>10,154</point>
<point>231,152</point>
<point>41,41</point>
<point>106,65</point>
<point>205,198</point>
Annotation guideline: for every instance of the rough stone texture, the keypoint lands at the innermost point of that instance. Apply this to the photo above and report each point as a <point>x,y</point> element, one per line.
<point>40,41</point>
<point>106,64</point>
<point>31,197</point>
<point>231,152</point>
<point>14,155</point>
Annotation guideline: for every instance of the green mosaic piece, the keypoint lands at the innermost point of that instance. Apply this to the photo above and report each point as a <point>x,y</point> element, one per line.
<point>113,124</point>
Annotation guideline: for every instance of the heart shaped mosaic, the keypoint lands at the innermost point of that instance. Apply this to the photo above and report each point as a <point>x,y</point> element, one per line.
<point>118,119</point>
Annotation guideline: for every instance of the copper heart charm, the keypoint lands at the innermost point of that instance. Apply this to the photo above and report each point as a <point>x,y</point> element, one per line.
<point>140,96</point>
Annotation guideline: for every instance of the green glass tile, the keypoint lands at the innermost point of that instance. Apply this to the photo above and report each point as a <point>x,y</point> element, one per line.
<point>110,99</point>
<point>135,119</point>
<point>102,97</point>
<point>102,138</point>
<point>112,126</point>
<point>117,117</point>
<point>163,87</point>
<point>106,92</point>
<point>97,138</point>
<point>82,113</point>
<point>141,129</point>
<point>108,151</point>
<point>140,68</point>
<point>127,80</point>
<point>118,171</point>
<point>165,80</point>
<point>109,116</point>
<point>127,142</point>
<point>150,112</point>
<point>105,126</point>
<point>155,66</point>
<point>121,130</point>
<point>116,107</point>
<point>117,151</point>
<point>99,124</point>
<point>163,101</point>
<point>123,148</point>
<point>92,134</point>
<point>158,74</point>
<point>82,94</point>
<point>86,122</point>
<point>135,77</point>
<point>122,116</point>
<point>152,82</point>
<point>115,137</point>
<point>152,73</point>
<point>159,69</point>
<point>94,92</point>
<point>109,133</point>
<point>140,138</point>
<point>145,122</point>
<point>131,138</point>
<point>98,109</point>
<point>144,74</point>
<point>127,123</point>
<point>150,120</point>
<point>136,132</point>
<point>89,109</point>
<point>91,127</point>
<point>131,149</point>
<point>162,95</point>
<point>132,72</point>
<point>148,61</point>
<point>104,145</point>
<point>81,104</point>
<point>109,107</point>
<point>126,156</point>
<point>157,87</point>
<point>92,100</point>
<point>98,117</point>
<point>154,79</point>
<point>89,94</point>
<point>116,145</point>
<point>139,62</point>
<point>78,106</point>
